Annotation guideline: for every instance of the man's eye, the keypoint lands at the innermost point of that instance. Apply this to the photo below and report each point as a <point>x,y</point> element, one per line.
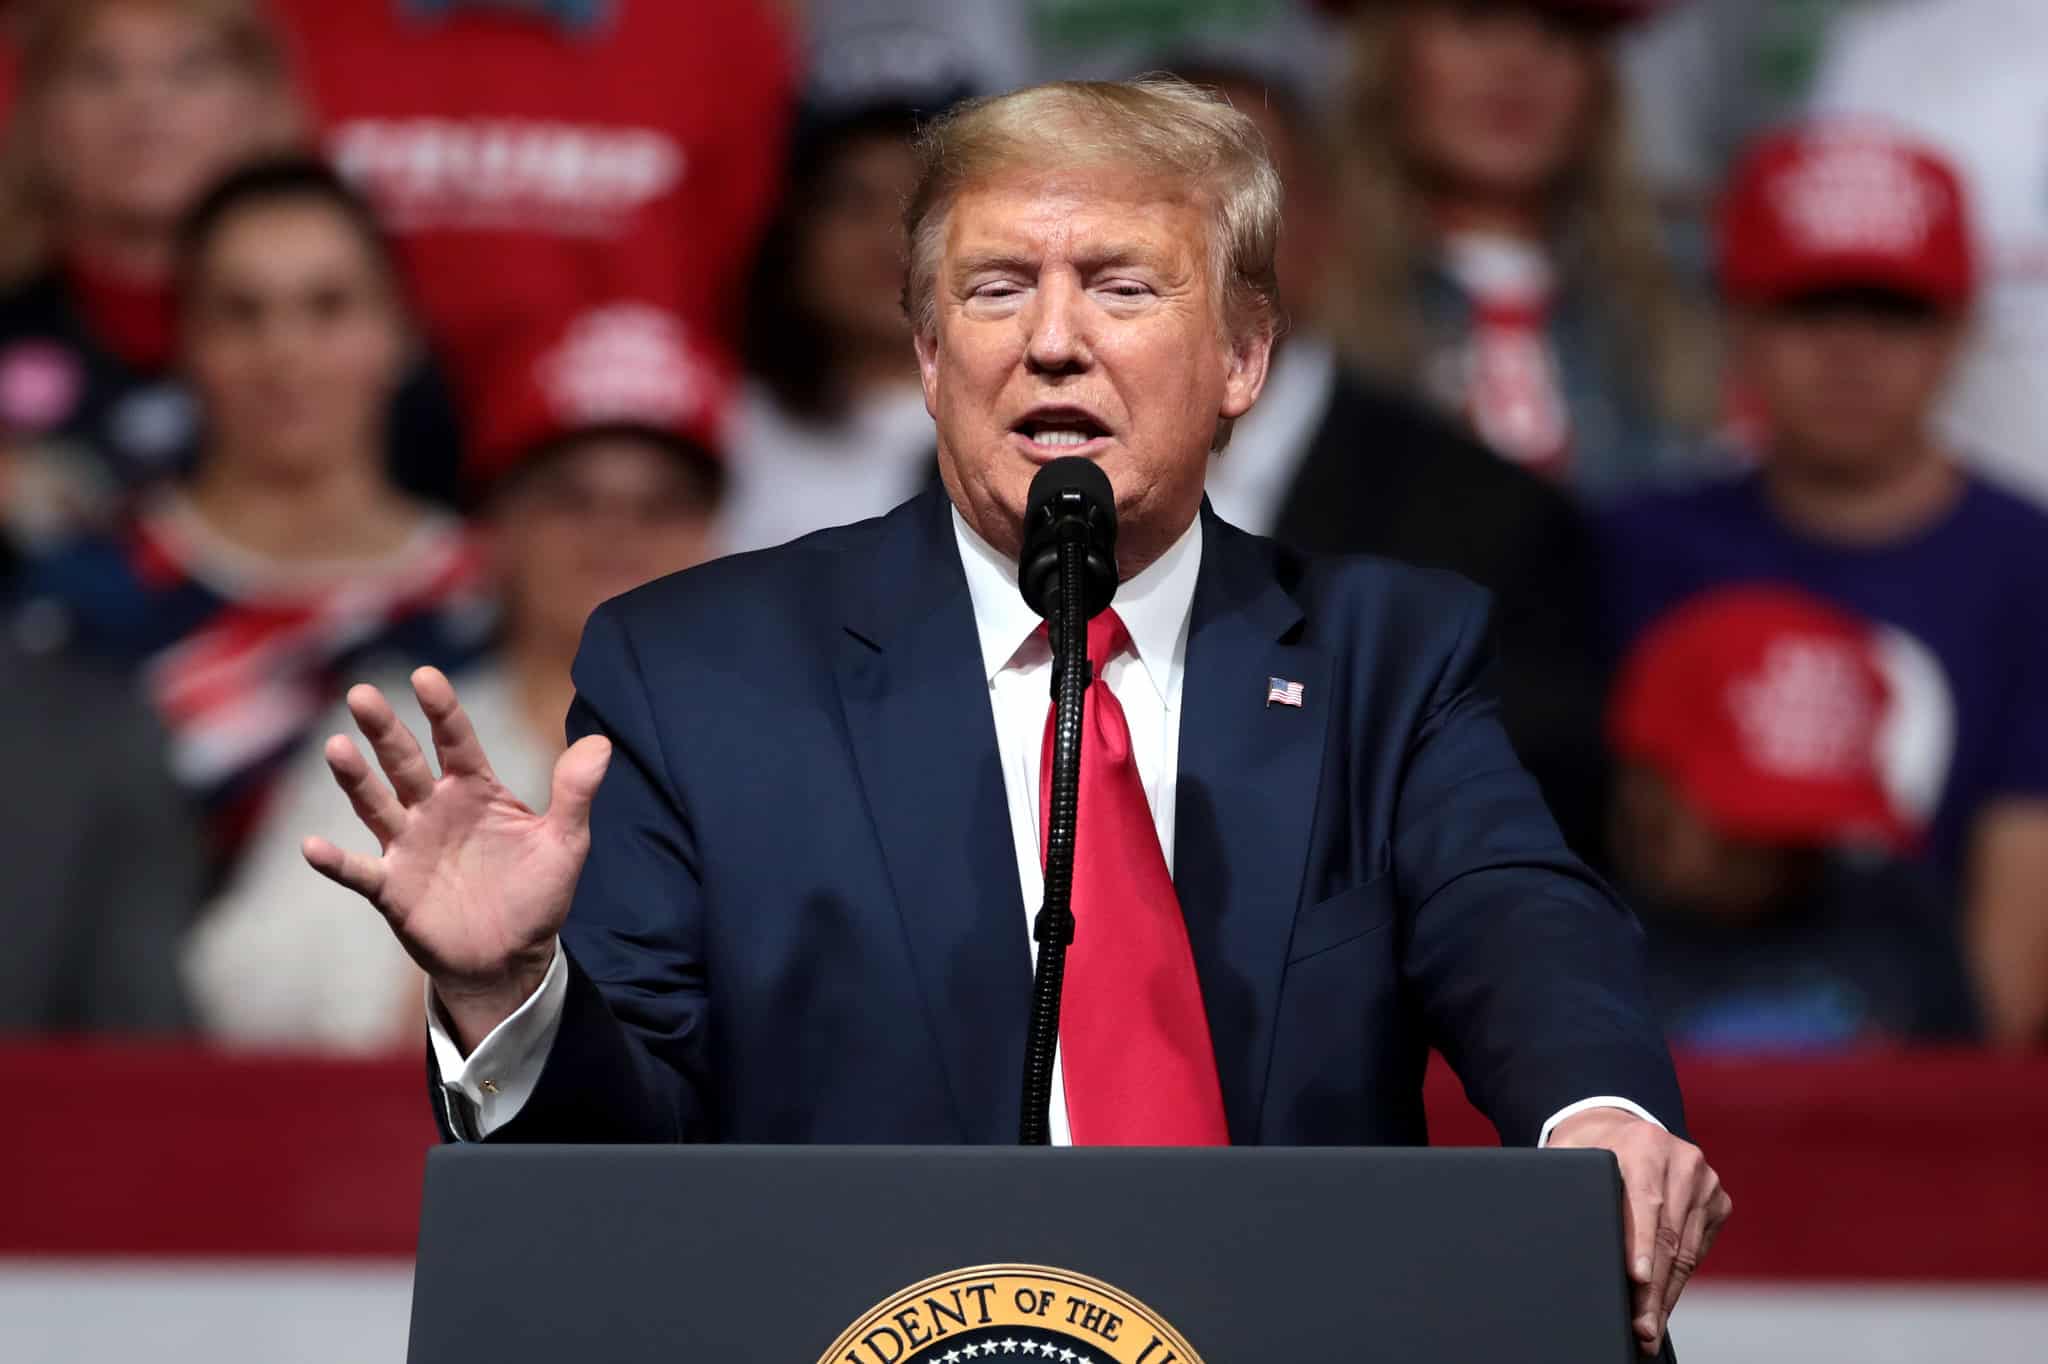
<point>1127,289</point>
<point>1000,289</point>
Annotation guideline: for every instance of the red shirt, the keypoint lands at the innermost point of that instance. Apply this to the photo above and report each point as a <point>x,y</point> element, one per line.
<point>533,174</point>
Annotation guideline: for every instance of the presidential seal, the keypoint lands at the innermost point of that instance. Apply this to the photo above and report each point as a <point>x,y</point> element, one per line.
<point>997,1314</point>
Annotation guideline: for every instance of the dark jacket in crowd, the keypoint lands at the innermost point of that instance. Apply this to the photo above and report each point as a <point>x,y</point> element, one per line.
<point>1386,475</point>
<point>102,858</point>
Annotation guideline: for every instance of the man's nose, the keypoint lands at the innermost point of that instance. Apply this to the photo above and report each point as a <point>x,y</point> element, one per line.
<point>1058,340</point>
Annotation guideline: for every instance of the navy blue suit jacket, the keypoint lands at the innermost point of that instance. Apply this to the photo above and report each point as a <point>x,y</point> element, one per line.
<point>800,918</point>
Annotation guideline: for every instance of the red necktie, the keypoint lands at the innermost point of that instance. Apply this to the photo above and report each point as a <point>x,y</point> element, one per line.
<point>1134,1038</point>
<point>1515,401</point>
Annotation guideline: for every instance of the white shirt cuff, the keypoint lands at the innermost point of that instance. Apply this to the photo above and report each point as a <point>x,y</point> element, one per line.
<point>487,1090</point>
<point>1597,1101</point>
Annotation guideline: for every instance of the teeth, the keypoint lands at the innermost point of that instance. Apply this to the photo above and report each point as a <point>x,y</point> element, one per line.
<point>1059,438</point>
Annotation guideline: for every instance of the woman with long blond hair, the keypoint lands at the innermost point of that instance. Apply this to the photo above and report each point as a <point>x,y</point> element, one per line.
<point>1498,254</point>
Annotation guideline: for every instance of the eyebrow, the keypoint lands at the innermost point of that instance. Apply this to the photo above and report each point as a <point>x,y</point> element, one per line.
<point>999,262</point>
<point>1108,257</point>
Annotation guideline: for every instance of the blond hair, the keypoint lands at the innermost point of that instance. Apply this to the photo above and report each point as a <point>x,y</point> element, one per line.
<point>1154,125</point>
<point>1603,210</point>
<point>48,32</point>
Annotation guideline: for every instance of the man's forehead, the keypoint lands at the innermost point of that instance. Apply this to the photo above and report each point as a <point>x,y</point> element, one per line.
<point>1074,210</point>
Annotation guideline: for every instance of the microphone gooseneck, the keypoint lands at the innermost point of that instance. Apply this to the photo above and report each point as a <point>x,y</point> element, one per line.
<point>1067,572</point>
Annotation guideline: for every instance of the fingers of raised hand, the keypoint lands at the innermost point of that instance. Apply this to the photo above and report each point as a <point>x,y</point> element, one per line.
<point>374,804</point>
<point>360,873</point>
<point>455,741</point>
<point>398,753</point>
<point>578,773</point>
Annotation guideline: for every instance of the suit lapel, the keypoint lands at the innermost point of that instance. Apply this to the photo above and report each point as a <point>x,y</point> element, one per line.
<point>910,678</point>
<point>1249,774</point>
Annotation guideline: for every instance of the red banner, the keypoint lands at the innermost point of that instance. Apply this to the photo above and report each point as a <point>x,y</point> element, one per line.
<point>1924,1167</point>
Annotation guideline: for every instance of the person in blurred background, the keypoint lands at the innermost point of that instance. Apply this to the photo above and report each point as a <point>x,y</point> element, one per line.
<point>126,111</point>
<point>1498,253</point>
<point>283,959</point>
<point>831,426</point>
<point>1965,77</point>
<point>1334,461</point>
<point>287,554</point>
<point>1704,77</point>
<point>1757,837</point>
<point>1111,39</point>
<point>1847,263</point>
<point>103,862</point>
<point>547,163</point>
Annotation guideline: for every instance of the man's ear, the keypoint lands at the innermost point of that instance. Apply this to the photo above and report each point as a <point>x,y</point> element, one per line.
<point>1245,377</point>
<point>927,345</point>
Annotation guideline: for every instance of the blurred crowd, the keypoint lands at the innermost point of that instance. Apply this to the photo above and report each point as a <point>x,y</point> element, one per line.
<point>339,337</point>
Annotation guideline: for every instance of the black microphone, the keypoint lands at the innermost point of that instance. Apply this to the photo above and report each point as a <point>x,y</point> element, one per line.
<point>1067,572</point>
<point>1069,499</point>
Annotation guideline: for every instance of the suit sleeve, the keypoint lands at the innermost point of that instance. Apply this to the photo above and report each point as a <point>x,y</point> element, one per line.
<point>1527,968</point>
<point>628,1061</point>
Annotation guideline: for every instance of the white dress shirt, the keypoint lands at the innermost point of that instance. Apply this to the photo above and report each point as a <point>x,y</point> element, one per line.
<point>1155,607</point>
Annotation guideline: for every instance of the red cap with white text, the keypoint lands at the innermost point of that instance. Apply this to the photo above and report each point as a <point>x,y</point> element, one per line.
<point>1845,206</point>
<point>1766,709</point>
<point>621,364</point>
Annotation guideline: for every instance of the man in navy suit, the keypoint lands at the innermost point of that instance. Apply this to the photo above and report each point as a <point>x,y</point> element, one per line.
<point>781,892</point>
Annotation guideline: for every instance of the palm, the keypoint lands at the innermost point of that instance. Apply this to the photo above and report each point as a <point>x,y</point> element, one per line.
<point>475,878</point>
<point>474,882</point>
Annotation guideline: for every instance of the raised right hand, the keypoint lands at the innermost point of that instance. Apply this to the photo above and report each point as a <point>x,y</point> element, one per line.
<point>473,882</point>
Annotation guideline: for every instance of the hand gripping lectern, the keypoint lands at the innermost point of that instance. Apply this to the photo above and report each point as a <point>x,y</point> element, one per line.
<point>989,1255</point>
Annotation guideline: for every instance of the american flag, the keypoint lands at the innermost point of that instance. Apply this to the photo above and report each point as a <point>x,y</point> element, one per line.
<point>1279,691</point>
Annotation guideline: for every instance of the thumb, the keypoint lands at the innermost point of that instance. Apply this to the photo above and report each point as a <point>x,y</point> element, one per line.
<point>578,774</point>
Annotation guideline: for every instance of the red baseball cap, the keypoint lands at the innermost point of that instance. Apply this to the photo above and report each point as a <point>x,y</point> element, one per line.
<point>620,365</point>
<point>1766,709</point>
<point>1845,205</point>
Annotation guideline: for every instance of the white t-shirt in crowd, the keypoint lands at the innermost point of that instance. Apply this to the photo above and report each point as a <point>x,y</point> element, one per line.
<point>791,477</point>
<point>1970,78</point>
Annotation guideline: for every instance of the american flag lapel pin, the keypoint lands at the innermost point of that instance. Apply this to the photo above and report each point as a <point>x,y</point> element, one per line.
<point>1281,692</point>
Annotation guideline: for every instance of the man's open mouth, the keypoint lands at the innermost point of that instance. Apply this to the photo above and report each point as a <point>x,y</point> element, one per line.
<point>1060,430</point>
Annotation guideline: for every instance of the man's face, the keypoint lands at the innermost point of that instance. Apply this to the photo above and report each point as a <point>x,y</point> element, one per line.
<point>1074,316</point>
<point>1847,382</point>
